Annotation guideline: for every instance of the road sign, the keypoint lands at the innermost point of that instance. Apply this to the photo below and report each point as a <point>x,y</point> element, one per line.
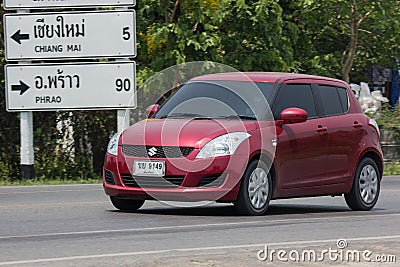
<point>31,4</point>
<point>83,86</point>
<point>97,34</point>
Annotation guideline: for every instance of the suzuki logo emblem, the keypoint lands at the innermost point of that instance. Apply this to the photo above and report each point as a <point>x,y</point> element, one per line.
<point>152,151</point>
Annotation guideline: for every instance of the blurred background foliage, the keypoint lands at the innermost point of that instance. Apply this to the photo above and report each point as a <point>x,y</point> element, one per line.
<point>339,39</point>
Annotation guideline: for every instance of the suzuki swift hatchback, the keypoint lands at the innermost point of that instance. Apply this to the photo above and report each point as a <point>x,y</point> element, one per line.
<point>247,139</point>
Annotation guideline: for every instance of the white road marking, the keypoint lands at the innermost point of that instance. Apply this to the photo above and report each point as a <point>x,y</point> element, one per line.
<point>174,227</point>
<point>137,253</point>
<point>54,204</point>
<point>391,178</point>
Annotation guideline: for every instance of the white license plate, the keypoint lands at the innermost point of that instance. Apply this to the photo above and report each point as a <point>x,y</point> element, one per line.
<point>149,168</point>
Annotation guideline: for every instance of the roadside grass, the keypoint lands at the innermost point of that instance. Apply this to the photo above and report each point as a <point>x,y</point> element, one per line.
<point>392,168</point>
<point>49,182</point>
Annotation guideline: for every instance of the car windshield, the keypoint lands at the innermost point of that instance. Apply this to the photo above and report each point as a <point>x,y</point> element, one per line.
<point>219,100</point>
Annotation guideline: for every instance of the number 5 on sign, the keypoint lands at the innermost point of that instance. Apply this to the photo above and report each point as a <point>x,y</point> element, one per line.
<point>126,35</point>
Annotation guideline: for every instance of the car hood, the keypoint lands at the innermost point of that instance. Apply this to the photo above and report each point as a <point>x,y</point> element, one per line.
<point>181,132</point>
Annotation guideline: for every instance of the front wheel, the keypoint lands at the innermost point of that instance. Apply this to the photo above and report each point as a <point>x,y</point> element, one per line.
<point>126,204</point>
<point>255,190</point>
<point>366,186</point>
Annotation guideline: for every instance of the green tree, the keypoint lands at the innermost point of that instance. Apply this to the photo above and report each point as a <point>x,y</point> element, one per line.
<point>256,37</point>
<point>348,33</point>
<point>248,35</point>
<point>9,125</point>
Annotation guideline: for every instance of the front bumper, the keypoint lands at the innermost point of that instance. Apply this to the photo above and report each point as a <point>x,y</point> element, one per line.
<point>190,178</point>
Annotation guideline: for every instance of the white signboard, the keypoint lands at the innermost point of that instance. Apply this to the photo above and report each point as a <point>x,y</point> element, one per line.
<point>31,4</point>
<point>98,34</point>
<point>83,86</point>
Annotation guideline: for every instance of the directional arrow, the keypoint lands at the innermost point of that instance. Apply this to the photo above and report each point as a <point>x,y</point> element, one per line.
<point>17,36</point>
<point>21,87</point>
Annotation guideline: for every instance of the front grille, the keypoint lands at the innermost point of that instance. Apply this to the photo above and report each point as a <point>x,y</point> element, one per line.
<point>109,177</point>
<point>156,151</point>
<point>212,181</point>
<point>152,182</point>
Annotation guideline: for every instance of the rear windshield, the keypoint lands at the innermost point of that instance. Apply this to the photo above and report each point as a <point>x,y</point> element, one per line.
<point>219,99</point>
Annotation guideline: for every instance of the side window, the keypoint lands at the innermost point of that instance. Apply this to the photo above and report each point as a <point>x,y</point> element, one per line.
<point>330,100</point>
<point>295,96</point>
<point>344,99</point>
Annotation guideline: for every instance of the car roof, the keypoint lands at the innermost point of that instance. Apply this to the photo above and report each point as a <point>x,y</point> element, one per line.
<point>260,77</point>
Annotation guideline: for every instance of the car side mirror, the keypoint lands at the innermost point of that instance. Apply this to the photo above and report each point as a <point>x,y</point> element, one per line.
<point>150,110</point>
<point>292,115</point>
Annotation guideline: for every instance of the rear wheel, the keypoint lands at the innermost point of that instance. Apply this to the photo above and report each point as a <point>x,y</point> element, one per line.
<point>366,186</point>
<point>255,190</point>
<point>126,204</point>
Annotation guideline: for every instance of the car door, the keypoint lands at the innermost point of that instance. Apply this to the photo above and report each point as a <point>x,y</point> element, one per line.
<point>344,133</point>
<point>301,148</point>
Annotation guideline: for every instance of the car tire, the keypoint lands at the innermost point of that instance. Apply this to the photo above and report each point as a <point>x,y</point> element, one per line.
<point>366,186</point>
<point>255,190</point>
<point>126,204</point>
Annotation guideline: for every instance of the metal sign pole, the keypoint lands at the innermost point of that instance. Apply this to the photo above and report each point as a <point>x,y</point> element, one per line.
<point>123,115</point>
<point>27,154</point>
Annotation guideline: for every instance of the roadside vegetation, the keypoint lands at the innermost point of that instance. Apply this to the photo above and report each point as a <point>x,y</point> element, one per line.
<point>389,120</point>
<point>392,168</point>
<point>339,39</point>
<point>49,182</point>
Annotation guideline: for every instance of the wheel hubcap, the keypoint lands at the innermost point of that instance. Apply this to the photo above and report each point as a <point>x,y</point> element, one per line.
<point>258,188</point>
<point>368,184</point>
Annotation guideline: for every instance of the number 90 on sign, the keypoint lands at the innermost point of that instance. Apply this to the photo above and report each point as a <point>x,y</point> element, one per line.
<point>123,84</point>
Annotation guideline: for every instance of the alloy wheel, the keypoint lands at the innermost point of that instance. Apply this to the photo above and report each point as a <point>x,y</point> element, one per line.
<point>258,188</point>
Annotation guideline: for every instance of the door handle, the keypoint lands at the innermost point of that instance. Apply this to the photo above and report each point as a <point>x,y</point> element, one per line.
<point>357,125</point>
<point>322,130</point>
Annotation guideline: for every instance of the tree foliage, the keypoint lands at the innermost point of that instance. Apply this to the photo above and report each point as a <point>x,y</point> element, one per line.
<point>351,35</point>
<point>248,35</point>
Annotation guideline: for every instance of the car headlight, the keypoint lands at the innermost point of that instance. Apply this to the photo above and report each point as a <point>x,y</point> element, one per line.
<point>222,145</point>
<point>112,147</point>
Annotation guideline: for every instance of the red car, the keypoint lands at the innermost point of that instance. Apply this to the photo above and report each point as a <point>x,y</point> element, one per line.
<point>248,138</point>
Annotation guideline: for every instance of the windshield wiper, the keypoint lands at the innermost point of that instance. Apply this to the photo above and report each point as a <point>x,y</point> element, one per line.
<point>193,116</point>
<point>242,117</point>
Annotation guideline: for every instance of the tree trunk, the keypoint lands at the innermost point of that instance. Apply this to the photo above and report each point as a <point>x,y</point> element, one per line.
<point>175,10</point>
<point>165,11</point>
<point>350,54</point>
<point>352,46</point>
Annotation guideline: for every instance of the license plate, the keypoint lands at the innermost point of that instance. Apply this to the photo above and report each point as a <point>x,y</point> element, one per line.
<point>149,168</point>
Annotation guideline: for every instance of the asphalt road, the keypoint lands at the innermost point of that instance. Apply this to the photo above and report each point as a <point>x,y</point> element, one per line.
<point>76,225</point>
